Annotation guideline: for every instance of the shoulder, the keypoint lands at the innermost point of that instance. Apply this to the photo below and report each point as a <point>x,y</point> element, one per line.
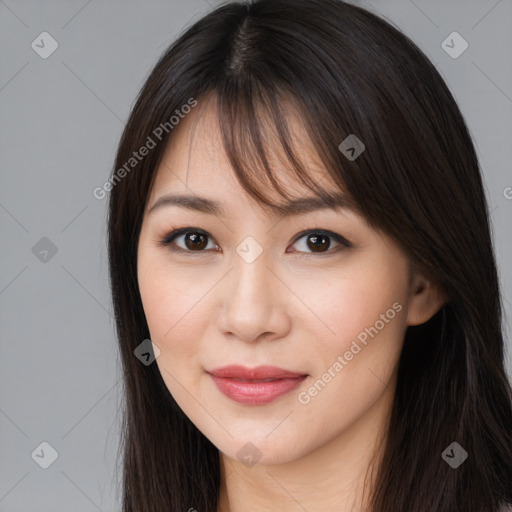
<point>506,508</point>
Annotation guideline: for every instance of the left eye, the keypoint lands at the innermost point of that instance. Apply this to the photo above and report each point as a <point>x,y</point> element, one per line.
<point>319,241</point>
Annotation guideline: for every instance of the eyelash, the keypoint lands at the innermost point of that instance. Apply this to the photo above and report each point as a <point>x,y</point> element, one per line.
<point>170,237</point>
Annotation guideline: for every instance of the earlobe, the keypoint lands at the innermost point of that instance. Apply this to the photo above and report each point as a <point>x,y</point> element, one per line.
<point>426,299</point>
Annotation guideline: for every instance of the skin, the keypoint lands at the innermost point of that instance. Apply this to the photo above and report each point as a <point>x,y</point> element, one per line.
<point>205,310</point>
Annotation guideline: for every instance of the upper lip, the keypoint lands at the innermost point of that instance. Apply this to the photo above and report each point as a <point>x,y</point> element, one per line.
<point>257,373</point>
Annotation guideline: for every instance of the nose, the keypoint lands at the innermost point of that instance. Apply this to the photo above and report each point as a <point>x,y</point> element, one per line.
<point>255,303</point>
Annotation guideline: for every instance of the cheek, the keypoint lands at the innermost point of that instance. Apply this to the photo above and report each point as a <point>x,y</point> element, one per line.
<point>173,320</point>
<point>352,369</point>
<point>171,308</point>
<point>361,330</point>
<point>350,302</point>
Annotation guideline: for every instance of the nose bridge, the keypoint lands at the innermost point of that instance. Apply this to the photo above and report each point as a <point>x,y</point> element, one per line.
<point>251,287</point>
<point>251,279</point>
<point>252,303</point>
<point>251,273</point>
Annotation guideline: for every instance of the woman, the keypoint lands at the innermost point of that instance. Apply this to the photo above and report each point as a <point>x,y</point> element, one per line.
<point>297,222</point>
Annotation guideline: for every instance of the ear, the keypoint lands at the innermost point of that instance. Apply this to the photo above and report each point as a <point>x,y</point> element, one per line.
<point>425,300</point>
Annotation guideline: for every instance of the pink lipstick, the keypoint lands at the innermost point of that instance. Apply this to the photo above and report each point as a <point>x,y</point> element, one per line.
<point>255,386</point>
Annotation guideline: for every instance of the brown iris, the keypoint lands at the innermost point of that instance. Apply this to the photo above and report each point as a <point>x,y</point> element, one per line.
<point>319,242</point>
<point>195,241</point>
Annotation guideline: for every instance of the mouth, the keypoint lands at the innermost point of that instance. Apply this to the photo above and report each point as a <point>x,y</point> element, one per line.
<point>255,386</point>
<point>252,380</point>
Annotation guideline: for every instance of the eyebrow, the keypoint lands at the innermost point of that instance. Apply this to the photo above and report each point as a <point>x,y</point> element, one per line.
<point>290,208</point>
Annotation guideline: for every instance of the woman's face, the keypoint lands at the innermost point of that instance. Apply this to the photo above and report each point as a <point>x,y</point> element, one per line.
<point>251,290</point>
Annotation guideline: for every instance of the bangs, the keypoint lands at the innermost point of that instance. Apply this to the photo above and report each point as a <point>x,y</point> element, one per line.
<point>254,123</point>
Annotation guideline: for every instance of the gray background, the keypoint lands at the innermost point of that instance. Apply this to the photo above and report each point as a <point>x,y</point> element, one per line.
<point>61,119</point>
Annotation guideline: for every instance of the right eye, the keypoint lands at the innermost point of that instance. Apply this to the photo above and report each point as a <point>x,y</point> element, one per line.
<point>192,240</point>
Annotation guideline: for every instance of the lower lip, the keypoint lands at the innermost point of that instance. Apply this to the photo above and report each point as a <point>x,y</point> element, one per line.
<point>256,393</point>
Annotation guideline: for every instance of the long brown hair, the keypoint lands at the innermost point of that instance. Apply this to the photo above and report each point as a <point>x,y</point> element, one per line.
<point>418,180</point>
